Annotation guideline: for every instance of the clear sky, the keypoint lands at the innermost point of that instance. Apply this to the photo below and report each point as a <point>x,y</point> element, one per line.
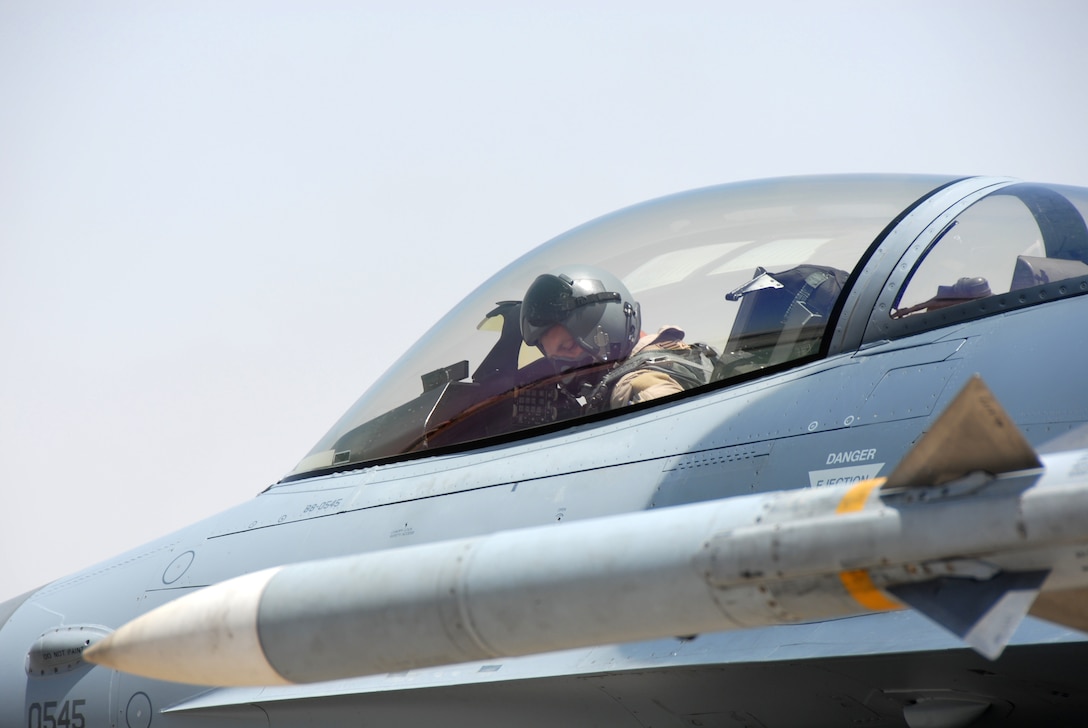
<point>220,221</point>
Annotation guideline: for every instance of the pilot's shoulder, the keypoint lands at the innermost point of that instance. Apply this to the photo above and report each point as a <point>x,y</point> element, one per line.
<point>667,337</point>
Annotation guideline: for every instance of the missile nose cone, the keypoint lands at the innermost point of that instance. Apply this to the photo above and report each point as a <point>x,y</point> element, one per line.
<point>100,652</point>
<point>208,637</point>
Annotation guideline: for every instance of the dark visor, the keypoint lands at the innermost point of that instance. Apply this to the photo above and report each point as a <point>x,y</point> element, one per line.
<point>551,299</point>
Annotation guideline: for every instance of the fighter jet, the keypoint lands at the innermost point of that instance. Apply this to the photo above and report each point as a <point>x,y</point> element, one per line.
<point>803,451</point>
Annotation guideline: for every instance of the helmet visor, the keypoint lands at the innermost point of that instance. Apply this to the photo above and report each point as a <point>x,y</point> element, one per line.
<point>553,300</point>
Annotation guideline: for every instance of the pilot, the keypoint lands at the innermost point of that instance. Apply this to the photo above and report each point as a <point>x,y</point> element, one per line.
<point>584,318</point>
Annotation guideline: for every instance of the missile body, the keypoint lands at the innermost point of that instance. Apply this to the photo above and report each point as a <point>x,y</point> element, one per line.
<point>749,561</point>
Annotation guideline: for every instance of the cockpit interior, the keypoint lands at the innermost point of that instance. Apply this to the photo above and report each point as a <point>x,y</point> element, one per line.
<point>756,273</point>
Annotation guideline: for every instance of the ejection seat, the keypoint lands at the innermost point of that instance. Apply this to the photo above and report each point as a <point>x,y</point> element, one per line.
<point>782,317</point>
<point>1033,271</point>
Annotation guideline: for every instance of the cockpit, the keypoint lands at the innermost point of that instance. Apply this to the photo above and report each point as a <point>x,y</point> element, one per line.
<point>754,273</point>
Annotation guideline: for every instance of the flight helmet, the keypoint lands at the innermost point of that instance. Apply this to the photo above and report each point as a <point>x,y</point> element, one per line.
<point>591,303</point>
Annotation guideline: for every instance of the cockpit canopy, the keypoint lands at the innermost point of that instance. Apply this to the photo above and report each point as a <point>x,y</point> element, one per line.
<point>752,271</point>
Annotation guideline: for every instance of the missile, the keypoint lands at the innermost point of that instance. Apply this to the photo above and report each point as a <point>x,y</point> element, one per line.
<point>968,530</point>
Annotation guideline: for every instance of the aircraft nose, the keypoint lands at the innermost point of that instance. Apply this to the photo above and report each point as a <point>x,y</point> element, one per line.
<point>12,672</point>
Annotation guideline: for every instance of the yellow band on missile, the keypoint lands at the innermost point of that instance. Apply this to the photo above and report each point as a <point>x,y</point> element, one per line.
<point>858,583</point>
<point>855,498</point>
<point>865,593</point>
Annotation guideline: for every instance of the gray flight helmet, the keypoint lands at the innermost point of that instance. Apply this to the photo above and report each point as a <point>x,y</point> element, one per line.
<point>591,303</point>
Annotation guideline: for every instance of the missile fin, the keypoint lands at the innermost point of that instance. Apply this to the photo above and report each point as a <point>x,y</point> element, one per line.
<point>1068,608</point>
<point>984,614</point>
<point>974,433</point>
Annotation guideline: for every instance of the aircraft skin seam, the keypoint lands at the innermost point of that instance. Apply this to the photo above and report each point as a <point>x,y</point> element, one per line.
<point>459,590</point>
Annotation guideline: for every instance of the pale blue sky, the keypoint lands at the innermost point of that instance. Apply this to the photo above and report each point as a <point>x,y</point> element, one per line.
<point>220,221</point>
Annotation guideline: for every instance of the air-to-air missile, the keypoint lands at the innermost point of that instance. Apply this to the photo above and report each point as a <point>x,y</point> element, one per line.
<point>973,529</point>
